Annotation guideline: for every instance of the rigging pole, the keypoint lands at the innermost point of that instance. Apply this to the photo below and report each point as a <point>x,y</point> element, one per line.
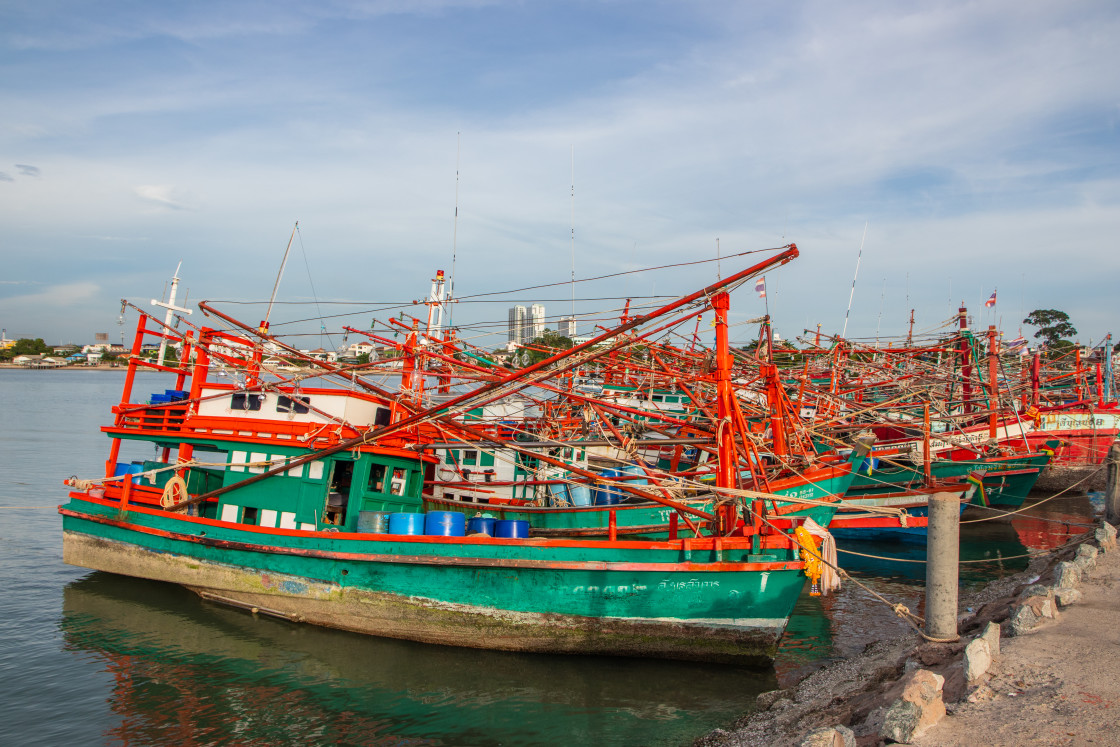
<point>852,295</point>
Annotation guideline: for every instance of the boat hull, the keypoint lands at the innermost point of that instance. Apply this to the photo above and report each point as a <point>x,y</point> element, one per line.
<point>495,594</point>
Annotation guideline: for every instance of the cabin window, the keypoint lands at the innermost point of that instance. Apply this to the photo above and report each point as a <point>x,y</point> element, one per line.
<point>298,405</point>
<point>399,482</point>
<point>487,459</point>
<point>249,515</point>
<point>450,457</point>
<point>376,482</point>
<point>658,398</point>
<point>246,401</point>
<point>381,416</point>
<point>470,456</point>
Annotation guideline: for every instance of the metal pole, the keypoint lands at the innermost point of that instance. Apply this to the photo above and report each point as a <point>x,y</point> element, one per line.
<point>942,557</point>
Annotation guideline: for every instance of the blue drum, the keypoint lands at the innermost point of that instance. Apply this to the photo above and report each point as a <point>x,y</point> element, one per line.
<point>445,524</point>
<point>406,523</point>
<point>481,525</point>
<point>511,528</point>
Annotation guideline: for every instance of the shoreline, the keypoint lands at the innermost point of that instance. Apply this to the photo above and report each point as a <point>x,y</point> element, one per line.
<point>83,367</point>
<point>1009,704</point>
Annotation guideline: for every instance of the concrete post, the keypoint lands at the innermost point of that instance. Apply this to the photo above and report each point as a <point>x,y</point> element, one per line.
<point>1112,486</point>
<point>942,556</point>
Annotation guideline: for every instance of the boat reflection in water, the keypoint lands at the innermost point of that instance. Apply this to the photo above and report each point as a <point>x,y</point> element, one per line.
<point>1051,522</point>
<point>187,672</point>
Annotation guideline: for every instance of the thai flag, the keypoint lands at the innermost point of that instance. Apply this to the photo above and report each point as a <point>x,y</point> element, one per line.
<point>760,287</point>
<point>991,300</point>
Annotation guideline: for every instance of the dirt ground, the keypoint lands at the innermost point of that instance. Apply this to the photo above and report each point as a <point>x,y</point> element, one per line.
<point>1058,685</point>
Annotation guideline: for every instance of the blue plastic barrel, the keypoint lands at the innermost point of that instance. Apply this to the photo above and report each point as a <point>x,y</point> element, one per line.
<point>511,528</point>
<point>123,468</point>
<point>580,495</point>
<point>481,525</point>
<point>445,524</point>
<point>607,495</point>
<point>636,471</point>
<point>406,523</point>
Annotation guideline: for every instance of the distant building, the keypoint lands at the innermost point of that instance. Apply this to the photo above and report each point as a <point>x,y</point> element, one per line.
<point>567,327</point>
<point>517,321</point>
<point>362,347</point>
<point>536,321</point>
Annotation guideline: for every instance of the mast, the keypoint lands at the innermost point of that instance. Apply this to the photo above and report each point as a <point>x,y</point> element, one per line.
<point>170,315</point>
<point>993,391</point>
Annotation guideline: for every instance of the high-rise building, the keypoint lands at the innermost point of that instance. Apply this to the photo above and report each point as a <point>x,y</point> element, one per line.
<point>567,327</point>
<point>517,320</point>
<point>536,322</point>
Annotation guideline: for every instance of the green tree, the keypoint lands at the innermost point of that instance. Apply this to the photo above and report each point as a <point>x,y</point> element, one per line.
<point>1053,327</point>
<point>553,341</point>
<point>25,346</point>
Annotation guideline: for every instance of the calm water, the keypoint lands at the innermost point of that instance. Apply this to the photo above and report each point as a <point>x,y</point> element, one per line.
<point>93,658</point>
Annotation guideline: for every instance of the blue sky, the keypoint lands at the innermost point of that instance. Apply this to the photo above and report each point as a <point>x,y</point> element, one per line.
<point>977,141</point>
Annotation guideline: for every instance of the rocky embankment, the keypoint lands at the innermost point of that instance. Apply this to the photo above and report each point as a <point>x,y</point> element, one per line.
<point>1036,664</point>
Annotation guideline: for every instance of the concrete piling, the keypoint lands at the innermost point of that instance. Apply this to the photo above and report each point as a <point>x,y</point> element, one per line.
<point>1112,486</point>
<point>942,563</point>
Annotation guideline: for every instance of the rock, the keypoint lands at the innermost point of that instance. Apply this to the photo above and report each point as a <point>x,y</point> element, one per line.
<point>1023,620</point>
<point>1066,597</point>
<point>1042,606</point>
<point>830,736</point>
<point>1105,535</point>
<point>901,722</point>
<point>766,700</point>
<point>1034,590</point>
<point>991,635</point>
<point>977,659</point>
<point>1087,551</point>
<point>920,707</point>
<point>1066,575</point>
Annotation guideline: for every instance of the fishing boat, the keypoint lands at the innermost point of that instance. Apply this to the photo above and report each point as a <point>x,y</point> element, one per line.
<point>304,501</point>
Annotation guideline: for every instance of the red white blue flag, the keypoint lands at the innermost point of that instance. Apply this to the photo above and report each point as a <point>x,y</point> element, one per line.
<point>760,287</point>
<point>991,300</point>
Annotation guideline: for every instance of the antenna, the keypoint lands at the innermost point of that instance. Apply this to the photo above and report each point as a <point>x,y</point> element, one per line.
<point>882,296</point>
<point>454,229</point>
<point>276,285</point>
<point>854,278</point>
<point>571,327</point>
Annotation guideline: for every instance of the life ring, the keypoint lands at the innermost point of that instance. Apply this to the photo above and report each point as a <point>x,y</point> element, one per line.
<point>174,492</point>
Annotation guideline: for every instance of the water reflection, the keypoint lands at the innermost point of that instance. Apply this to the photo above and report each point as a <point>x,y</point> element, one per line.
<point>187,672</point>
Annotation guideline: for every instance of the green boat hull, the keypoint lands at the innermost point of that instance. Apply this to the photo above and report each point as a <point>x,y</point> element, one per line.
<point>690,599</point>
<point>1006,482</point>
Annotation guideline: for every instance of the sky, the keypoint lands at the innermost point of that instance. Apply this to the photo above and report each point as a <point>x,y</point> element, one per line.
<point>950,149</point>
